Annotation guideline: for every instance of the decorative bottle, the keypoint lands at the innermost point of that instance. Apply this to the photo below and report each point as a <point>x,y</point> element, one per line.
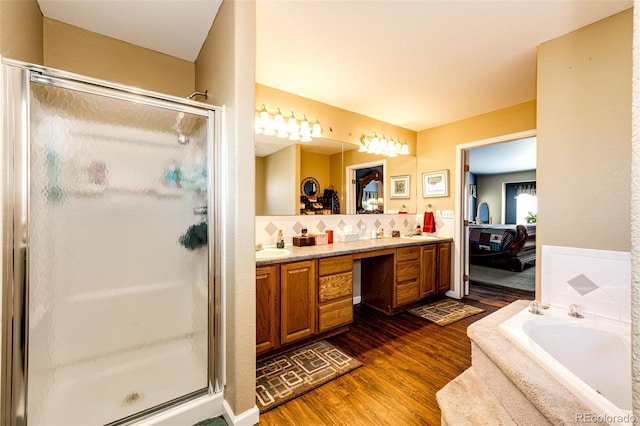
<point>418,229</point>
<point>280,241</point>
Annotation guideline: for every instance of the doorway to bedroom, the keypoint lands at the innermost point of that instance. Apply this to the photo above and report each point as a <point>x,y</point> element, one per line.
<point>501,213</point>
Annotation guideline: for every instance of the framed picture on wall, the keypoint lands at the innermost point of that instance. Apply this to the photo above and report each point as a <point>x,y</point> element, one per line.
<point>435,184</point>
<point>400,186</point>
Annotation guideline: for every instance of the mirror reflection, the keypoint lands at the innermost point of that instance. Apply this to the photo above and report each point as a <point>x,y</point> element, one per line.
<point>370,190</point>
<point>319,177</point>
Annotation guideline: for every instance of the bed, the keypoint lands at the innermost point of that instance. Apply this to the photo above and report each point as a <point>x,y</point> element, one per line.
<point>510,247</point>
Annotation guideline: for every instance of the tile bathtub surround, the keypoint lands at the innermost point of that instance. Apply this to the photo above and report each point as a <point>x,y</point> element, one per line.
<point>599,281</point>
<point>267,226</point>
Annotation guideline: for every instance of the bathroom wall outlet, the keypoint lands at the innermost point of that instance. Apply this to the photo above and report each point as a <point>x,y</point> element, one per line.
<point>447,214</point>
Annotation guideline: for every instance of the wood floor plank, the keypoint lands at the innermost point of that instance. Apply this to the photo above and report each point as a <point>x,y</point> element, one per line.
<point>406,361</point>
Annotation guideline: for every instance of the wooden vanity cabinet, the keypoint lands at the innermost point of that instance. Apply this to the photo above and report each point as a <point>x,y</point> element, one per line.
<point>443,282</point>
<point>436,269</point>
<point>297,300</point>
<point>335,292</point>
<point>267,308</point>
<point>407,285</point>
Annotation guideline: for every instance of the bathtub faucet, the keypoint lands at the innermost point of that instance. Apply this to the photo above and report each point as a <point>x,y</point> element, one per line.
<point>575,311</point>
<point>535,307</point>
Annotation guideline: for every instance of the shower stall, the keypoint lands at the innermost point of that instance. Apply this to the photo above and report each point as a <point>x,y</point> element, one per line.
<point>109,294</point>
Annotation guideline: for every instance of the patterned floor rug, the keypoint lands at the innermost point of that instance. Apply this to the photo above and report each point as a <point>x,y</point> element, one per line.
<point>445,311</point>
<point>283,377</point>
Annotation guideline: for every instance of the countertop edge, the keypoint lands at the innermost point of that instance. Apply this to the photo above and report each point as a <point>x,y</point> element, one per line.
<point>341,248</point>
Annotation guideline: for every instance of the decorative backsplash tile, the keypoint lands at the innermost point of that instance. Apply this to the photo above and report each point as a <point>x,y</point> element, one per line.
<point>267,226</point>
<point>582,284</point>
<point>597,280</point>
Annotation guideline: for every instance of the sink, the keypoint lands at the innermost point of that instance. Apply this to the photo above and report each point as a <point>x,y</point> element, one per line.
<point>270,253</point>
<point>420,237</point>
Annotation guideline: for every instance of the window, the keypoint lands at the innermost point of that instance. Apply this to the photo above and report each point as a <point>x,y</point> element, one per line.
<point>525,204</point>
<point>520,199</point>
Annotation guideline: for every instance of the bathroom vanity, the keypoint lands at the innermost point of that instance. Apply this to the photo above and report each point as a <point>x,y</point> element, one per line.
<point>309,292</point>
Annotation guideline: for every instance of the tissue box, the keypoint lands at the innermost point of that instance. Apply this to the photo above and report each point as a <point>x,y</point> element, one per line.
<point>351,237</point>
<point>304,241</point>
<point>321,239</point>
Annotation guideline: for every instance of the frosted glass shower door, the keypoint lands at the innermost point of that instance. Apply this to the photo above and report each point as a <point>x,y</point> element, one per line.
<point>118,260</point>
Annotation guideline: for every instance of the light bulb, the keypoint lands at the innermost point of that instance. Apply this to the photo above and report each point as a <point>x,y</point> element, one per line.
<point>363,145</point>
<point>316,132</point>
<point>405,149</point>
<point>264,116</point>
<point>279,119</point>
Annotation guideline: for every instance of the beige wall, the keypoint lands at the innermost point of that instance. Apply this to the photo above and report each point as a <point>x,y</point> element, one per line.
<point>491,191</point>
<point>21,30</point>
<point>317,166</point>
<point>226,68</point>
<point>260,185</point>
<point>282,194</point>
<point>584,137</point>
<point>84,52</point>
<point>437,146</point>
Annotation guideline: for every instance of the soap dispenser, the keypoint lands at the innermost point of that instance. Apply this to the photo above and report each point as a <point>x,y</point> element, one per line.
<point>280,241</point>
<point>418,229</point>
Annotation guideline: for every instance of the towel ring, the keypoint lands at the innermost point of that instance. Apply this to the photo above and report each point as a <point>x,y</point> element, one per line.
<point>428,207</point>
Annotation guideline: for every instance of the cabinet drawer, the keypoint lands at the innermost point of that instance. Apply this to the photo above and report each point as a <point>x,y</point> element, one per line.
<point>407,253</point>
<point>335,287</point>
<point>335,314</point>
<point>407,293</point>
<point>335,265</point>
<point>407,271</point>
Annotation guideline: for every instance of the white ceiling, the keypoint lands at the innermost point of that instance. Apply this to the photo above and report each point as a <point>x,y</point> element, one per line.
<point>504,157</point>
<point>415,64</point>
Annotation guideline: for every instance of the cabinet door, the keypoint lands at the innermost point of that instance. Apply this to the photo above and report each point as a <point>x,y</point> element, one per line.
<point>444,267</point>
<point>428,270</point>
<point>298,293</point>
<point>267,308</point>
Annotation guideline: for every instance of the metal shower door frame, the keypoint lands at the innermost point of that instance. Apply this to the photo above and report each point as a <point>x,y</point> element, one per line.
<point>15,79</point>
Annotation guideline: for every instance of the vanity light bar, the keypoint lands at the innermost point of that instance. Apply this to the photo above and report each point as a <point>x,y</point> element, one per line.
<point>277,125</point>
<point>383,146</point>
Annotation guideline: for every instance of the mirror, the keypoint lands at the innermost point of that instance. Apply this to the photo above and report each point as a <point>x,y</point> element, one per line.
<point>283,165</point>
<point>310,187</point>
<point>370,191</point>
<point>483,213</point>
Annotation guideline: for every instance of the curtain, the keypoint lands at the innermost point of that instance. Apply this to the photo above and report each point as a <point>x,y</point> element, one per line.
<point>526,188</point>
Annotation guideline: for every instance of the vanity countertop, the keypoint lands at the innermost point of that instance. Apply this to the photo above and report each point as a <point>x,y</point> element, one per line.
<point>341,248</point>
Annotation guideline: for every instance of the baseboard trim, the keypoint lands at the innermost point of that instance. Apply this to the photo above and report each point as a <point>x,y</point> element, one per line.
<point>357,300</point>
<point>248,418</point>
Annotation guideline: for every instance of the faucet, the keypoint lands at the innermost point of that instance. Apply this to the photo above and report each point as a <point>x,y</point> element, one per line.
<point>575,311</point>
<point>535,307</point>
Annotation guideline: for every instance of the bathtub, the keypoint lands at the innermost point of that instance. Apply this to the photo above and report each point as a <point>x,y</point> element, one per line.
<point>590,356</point>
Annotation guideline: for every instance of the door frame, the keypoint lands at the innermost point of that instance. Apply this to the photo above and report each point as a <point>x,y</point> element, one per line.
<point>461,249</point>
<point>350,186</point>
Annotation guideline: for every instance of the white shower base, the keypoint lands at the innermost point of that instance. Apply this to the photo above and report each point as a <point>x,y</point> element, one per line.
<point>110,388</point>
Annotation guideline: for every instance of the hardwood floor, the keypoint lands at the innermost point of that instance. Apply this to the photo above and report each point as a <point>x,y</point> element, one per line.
<point>406,360</point>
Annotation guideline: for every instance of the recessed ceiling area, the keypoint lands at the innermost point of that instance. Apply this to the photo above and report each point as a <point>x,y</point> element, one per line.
<point>415,64</point>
